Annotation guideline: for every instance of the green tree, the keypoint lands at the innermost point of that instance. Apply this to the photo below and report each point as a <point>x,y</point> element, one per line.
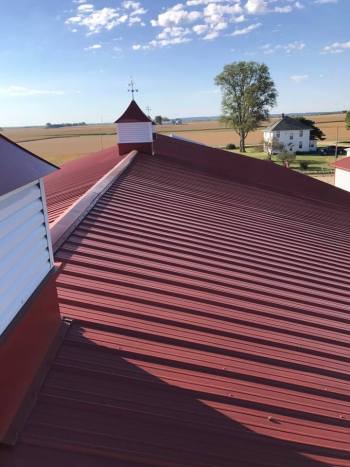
<point>247,93</point>
<point>274,146</point>
<point>158,119</point>
<point>316,132</point>
<point>286,157</point>
<point>347,120</point>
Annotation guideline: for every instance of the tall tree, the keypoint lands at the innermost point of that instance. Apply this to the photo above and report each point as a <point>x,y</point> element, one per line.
<point>347,120</point>
<point>247,93</point>
<point>158,119</point>
<point>316,132</point>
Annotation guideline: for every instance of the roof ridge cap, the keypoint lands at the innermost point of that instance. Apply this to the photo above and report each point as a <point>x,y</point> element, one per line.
<point>64,225</point>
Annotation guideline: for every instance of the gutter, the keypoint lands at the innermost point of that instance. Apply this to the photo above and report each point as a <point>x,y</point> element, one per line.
<point>64,225</point>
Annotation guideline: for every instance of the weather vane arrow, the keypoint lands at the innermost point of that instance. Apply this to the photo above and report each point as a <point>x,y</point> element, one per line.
<point>132,89</point>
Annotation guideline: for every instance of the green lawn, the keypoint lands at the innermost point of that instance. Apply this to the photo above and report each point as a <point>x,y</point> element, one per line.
<point>316,163</point>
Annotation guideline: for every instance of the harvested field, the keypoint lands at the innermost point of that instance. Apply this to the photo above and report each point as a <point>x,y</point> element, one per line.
<point>214,133</point>
<point>60,145</point>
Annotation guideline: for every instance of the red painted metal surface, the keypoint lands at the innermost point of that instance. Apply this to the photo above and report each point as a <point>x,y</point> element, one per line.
<point>64,187</point>
<point>125,148</point>
<point>133,114</point>
<point>210,328</point>
<point>24,347</point>
<point>343,163</point>
<point>248,170</point>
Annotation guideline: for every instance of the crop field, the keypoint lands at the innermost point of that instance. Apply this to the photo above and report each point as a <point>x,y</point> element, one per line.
<point>214,133</point>
<point>60,145</point>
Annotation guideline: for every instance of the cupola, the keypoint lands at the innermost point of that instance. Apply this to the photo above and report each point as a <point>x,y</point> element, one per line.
<point>134,130</point>
<point>29,316</point>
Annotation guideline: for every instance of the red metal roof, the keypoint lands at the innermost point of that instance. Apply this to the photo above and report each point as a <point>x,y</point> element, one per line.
<point>133,114</point>
<point>210,327</point>
<point>343,163</point>
<point>18,167</point>
<point>64,187</point>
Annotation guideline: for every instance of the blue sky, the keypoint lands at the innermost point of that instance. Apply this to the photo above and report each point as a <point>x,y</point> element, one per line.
<point>72,60</point>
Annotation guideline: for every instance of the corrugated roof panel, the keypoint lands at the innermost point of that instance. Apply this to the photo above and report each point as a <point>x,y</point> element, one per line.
<point>211,327</point>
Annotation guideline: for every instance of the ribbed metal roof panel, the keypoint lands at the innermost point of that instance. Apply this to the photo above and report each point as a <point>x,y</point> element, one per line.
<point>64,187</point>
<point>210,327</point>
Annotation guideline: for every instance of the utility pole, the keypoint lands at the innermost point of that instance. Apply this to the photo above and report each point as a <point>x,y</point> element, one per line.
<point>336,144</point>
<point>132,89</point>
<point>148,109</point>
<point>101,136</point>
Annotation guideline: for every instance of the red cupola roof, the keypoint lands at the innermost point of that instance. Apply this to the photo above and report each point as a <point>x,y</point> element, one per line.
<point>133,114</point>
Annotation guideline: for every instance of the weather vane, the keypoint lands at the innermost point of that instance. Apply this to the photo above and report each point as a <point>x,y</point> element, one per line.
<point>132,88</point>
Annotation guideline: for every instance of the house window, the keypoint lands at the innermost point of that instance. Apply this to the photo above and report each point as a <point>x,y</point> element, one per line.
<point>278,134</point>
<point>300,145</point>
<point>301,133</point>
<point>291,136</point>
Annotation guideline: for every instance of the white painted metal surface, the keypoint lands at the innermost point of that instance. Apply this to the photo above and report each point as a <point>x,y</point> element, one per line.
<point>141,132</point>
<point>342,179</point>
<point>25,248</point>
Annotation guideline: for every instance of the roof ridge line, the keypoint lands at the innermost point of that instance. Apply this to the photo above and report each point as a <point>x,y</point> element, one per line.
<point>64,225</point>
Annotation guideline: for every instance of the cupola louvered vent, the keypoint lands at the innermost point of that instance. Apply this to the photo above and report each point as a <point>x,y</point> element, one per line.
<point>25,248</point>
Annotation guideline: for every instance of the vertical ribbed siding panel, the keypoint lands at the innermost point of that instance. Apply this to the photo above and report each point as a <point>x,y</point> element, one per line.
<point>24,249</point>
<point>134,132</point>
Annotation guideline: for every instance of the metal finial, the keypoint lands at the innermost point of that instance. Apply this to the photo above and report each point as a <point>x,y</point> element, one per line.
<point>132,89</point>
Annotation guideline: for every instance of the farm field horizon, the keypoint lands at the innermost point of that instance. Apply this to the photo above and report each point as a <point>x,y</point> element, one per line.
<point>60,145</point>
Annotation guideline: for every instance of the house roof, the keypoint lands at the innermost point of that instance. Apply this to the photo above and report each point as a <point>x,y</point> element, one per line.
<point>288,124</point>
<point>18,166</point>
<point>343,163</point>
<point>133,114</point>
<point>207,322</point>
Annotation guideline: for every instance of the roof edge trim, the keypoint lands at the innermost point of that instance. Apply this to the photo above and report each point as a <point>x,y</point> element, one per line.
<point>69,219</point>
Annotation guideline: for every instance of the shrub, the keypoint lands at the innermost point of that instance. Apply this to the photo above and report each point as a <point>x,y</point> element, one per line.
<point>286,157</point>
<point>304,165</point>
<point>230,146</point>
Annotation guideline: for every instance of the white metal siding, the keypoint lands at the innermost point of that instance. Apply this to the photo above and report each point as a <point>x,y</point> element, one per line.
<point>342,179</point>
<point>25,250</point>
<point>291,144</point>
<point>135,132</point>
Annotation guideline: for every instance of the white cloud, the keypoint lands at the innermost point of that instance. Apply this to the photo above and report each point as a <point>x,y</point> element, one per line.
<point>283,9</point>
<point>256,6</point>
<point>287,48</point>
<point>106,18</point>
<point>85,7</point>
<point>323,2</point>
<point>299,78</point>
<point>175,16</point>
<point>21,91</point>
<point>336,47</point>
<point>210,19</point>
<point>247,30</point>
<point>94,47</point>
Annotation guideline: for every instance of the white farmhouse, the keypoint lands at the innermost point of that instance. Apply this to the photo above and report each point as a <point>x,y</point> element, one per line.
<point>342,173</point>
<point>293,134</point>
